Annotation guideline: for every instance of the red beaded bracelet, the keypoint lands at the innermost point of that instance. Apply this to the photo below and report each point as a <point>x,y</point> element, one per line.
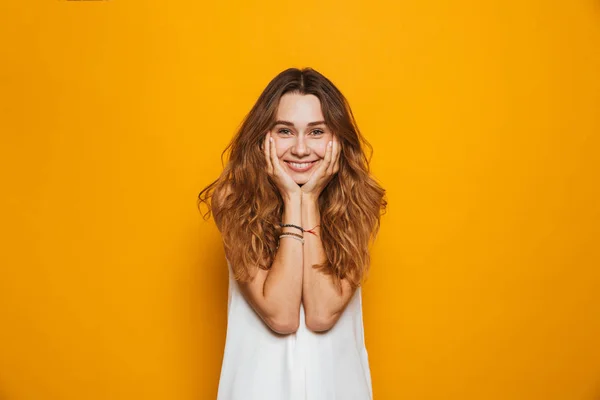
<point>311,230</point>
<point>300,228</point>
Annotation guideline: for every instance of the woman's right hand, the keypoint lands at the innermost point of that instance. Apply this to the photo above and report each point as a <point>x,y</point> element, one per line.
<point>288,188</point>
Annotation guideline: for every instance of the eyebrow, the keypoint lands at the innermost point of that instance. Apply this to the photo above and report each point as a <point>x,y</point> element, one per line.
<point>288,123</point>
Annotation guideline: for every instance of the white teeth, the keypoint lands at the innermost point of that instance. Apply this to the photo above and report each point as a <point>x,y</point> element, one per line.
<point>303,165</point>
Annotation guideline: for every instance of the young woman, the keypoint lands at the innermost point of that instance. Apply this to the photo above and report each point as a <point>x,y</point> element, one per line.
<point>297,210</point>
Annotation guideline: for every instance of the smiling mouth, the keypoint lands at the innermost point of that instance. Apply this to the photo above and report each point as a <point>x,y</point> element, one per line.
<point>300,167</point>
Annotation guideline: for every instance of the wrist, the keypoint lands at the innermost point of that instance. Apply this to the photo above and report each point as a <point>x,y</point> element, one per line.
<point>292,198</point>
<point>310,199</point>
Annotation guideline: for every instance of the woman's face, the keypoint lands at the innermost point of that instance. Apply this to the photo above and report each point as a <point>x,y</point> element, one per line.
<point>300,135</point>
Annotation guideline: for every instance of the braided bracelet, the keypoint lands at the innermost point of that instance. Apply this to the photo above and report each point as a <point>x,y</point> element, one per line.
<point>291,236</point>
<point>302,229</point>
<point>292,226</point>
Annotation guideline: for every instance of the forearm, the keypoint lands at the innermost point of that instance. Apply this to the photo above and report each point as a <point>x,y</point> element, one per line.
<point>283,285</point>
<point>321,299</point>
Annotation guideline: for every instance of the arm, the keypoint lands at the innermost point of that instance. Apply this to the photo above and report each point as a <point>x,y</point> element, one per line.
<point>323,303</point>
<point>275,294</point>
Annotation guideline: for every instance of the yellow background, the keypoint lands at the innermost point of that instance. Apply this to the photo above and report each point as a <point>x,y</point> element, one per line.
<point>484,117</point>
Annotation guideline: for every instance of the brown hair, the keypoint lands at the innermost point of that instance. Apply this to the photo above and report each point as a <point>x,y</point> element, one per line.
<point>350,205</point>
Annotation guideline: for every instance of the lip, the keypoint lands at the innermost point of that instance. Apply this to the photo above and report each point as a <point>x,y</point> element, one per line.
<point>309,166</point>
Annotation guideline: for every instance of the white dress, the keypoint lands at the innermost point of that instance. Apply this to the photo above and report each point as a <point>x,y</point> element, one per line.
<point>259,364</point>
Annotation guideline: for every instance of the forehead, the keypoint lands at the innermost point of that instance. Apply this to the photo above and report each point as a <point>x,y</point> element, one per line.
<point>299,108</point>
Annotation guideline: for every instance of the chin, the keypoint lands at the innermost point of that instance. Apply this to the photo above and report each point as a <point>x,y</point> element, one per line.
<point>300,179</point>
<point>300,182</point>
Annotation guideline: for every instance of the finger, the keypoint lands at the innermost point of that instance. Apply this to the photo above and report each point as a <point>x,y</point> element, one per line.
<point>334,154</point>
<point>267,150</point>
<point>328,156</point>
<point>274,159</point>
<point>336,166</point>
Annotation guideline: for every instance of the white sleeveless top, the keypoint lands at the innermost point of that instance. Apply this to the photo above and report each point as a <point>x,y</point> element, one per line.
<point>259,364</point>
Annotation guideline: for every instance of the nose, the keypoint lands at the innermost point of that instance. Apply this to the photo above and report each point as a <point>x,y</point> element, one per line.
<point>300,148</point>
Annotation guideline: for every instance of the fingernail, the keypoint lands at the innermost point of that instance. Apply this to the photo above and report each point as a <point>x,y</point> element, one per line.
<point>330,144</point>
<point>271,139</point>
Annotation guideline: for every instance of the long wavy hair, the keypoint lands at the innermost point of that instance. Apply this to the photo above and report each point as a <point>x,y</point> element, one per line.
<point>249,216</point>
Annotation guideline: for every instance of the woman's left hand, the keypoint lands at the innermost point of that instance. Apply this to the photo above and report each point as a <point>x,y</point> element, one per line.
<point>324,172</point>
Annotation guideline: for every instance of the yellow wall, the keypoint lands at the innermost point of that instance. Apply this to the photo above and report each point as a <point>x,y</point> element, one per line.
<point>485,120</point>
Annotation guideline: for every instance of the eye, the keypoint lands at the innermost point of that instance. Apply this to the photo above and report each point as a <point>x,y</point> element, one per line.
<point>283,130</point>
<point>318,132</point>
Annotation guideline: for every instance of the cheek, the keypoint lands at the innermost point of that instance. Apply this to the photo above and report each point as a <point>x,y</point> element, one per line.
<point>280,149</point>
<point>321,149</point>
